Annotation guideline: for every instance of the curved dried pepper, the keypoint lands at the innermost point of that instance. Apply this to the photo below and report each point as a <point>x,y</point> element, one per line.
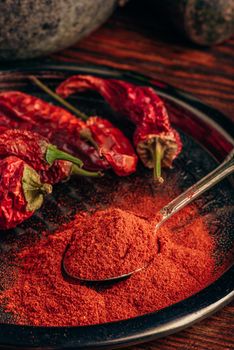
<point>157,143</point>
<point>23,111</point>
<point>110,141</point>
<point>52,164</point>
<point>21,192</point>
<point>72,134</point>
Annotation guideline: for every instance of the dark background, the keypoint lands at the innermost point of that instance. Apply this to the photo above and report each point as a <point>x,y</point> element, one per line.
<point>141,38</point>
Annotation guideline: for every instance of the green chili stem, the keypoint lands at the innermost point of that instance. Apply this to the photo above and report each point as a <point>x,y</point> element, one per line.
<point>80,114</point>
<point>157,158</point>
<point>53,153</point>
<point>45,88</point>
<point>78,171</point>
<point>86,135</point>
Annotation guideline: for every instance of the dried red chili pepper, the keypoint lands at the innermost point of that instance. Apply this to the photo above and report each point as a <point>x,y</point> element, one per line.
<point>35,112</point>
<point>21,192</point>
<point>22,111</point>
<point>44,157</point>
<point>110,141</point>
<point>157,143</point>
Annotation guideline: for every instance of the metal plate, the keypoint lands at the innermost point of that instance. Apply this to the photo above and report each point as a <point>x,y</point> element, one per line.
<point>207,139</point>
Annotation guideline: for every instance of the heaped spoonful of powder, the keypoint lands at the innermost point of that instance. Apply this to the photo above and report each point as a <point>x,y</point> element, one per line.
<point>108,243</point>
<point>118,247</point>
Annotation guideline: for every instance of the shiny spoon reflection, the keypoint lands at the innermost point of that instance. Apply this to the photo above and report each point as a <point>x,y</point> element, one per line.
<point>207,182</point>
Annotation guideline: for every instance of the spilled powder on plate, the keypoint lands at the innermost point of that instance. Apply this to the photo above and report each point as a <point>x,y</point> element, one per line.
<point>182,265</point>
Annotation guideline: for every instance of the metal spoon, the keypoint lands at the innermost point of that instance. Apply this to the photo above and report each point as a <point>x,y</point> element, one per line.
<point>215,176</point>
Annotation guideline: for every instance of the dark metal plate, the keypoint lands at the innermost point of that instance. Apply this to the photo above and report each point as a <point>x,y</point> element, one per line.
<point>207,139</point>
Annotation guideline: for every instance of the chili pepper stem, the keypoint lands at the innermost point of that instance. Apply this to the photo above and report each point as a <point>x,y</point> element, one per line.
<point>86,135</point>
<point>82,172</point>
<point>73,109</point>
<point>157,158</point>
<point>45,88</point>
<point>53,153</point>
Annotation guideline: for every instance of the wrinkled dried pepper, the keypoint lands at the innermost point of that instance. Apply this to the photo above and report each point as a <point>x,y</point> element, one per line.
<point>72,134</point>
<point>110,141</point>
<point>52,164</point>
<point>21,192</point>
<point>22,111</point>
<point>157,143</point>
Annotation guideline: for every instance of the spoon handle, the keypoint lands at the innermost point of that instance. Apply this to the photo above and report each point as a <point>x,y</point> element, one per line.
<point>215,176</point>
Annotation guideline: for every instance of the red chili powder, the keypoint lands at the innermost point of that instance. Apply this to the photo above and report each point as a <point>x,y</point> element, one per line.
<point>110,243</point>
<point>182,266</point>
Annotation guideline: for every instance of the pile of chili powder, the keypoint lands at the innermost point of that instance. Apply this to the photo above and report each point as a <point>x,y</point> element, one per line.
<point>182,266</point>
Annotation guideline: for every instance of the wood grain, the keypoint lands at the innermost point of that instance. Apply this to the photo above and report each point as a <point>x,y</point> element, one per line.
<point>214,333</point>
<point>139,38</point>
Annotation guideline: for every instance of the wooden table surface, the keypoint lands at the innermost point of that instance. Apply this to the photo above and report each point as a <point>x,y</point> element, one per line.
<point>137,38</point>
